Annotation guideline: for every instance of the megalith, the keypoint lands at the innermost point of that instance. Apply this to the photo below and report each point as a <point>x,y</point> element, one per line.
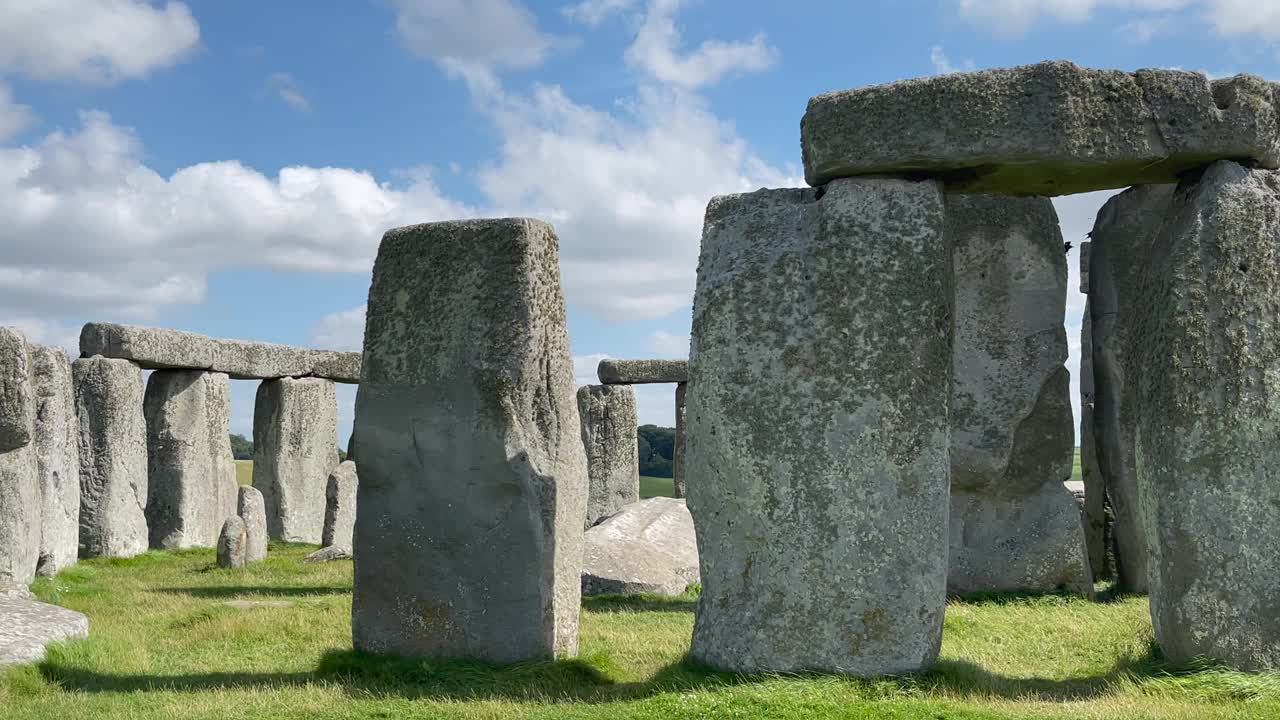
<point>113,457</point>
<point>473,477</point>
<point>609,424</point>
<point>340,505</point>
<point>233,541</point>
<point>57,448</point>
<point>819,388</point>
<point>20,503</point>
<point>191,473</point>
<point>1123,235</point>
<point>1094,511</point>
<point>253,512</point>
<point>1208,455</point>
<point>295,446</point>
<point>678,453</point>
<point>1014,525</point>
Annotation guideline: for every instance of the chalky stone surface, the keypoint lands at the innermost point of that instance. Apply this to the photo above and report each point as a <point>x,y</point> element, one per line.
<point>1124,232</point>
<point>1013,524</point>
<point>233,543</point>
<point>20,516</point>
<point>1209,419</point>
<point>164,349</point>
<point>642,372</point>
<point>646,547</point>
<point>253,511</point>
<point>27,627</point>
<point>473,477</point>
<point>1048,129</point>
<point>295,447</point>
<point>340,505</point>
<point>823,318</point>
<point>57,448</point>
<point>113,457</point>
<point>608,414</point>
<point>17,401</point>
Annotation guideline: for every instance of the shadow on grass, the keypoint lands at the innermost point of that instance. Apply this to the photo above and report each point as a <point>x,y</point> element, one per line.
<point>88,681</point>
<point>228,591</point>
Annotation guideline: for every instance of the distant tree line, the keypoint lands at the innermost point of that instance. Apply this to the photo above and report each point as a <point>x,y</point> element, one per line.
<point>242,448</point>
<point>657,450</point>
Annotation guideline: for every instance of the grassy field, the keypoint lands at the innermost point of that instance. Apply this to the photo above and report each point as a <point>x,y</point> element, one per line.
<point>244,472</point>
<point>165,644</point>
<point>1075,465</point>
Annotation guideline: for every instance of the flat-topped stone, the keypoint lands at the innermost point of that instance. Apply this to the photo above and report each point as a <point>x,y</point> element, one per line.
<point>164,349</point>
<point>642,372</point>
<point>28,626</point>
<point>1052,128</point>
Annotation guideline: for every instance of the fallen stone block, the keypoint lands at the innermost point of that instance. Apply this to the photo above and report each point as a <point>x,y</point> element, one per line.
<point>329,554</point>
<point>645,547</point>
<point>28,627</point>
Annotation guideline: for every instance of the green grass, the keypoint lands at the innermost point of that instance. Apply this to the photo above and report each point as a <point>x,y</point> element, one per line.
<point>244,472</point>
<point>1075,465</point>
<point>656,487</point>
<point>164,646</point>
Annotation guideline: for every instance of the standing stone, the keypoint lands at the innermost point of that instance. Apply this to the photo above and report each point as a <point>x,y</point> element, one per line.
<point>473,478</point>
<point>609,425</point>
<point>190,471</point>
<point>233,543</point>
<point>113,457</point>
<point>17,399</point>
<point>295,446</point>
<point>1208,452</point>
<point>1014,526</point>
<point>57,448</point>
<point>340,505</point>
<point>1123,235</point>
<point>677,453</point>
<point>1097,531</point>
<point>20,503</point>
<point>253,512</point>
<point>817,428</point>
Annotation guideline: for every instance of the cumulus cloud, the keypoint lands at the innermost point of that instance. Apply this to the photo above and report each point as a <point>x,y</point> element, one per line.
<point>1244,17</point>
<point>656,51</point>
<point>343,330</point>
<point>943,65</point>
<point>93,41</point>
<point>14,116</point>
<point>1155,17</point>
<point>482,33</point>
<point>668,344</point>
<point>285,87</point>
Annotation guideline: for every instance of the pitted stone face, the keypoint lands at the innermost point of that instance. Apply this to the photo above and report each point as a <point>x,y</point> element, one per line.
<point>1048,129</point>
<point>17,402</point>
<point>57,447</point>
<point>609,427</point>
<point>642,372</point>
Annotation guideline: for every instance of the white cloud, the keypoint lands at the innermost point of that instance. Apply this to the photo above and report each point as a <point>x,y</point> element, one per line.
<point>93,41</point>
<point>342,330</point>
<point>1014,17</point>
<point>1243,17</point>
<point>942,64</point>
<point>14,116</point>
<point>1156,17</point>
<point>656,52</point>
<point>285,86</point>
<point>594,12</point>
<point>479,33</point>
<point>668,345</point>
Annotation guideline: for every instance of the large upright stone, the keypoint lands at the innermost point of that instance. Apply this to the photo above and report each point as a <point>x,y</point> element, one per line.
<point>340,505</point>
<point>295,446</point>
<point>1014,526</point>
<point>57,448</point>
<point>20,511</point>
<point>819,381</point>
<point>191,473</point>
<point>608,414</point>
<point>1123,235</point>
<point>473,478</point>
<point>253,512</point>
<point>1208,453</point>
<point>113,457</point>
<point>1097,529</point>
<point>17,400</point>
<point>679,487</point>
<point>1048,129</point>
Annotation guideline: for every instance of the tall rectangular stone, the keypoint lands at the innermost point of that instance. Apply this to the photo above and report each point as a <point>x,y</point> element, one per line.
<point>1208,455</point>
<point>340,505</point>
<point>473,478</point>
<point>678,452</point>
<point>113,457</point>
<point>609,427</point>
<point>1097,528</point>
<point>57,448</point>
<point>20,512</point>
<point>817,428</point>
<point>295,446</point>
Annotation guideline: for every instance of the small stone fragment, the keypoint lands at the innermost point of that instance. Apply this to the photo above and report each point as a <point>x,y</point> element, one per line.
<point>253,511</point>
<point>340,505</point>
<point>232,543</point>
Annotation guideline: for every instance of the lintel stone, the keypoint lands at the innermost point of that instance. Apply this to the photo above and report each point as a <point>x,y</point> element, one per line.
<point>642,372</point>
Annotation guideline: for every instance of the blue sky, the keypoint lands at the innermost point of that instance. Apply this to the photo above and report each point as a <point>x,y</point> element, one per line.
<point>228,167</point>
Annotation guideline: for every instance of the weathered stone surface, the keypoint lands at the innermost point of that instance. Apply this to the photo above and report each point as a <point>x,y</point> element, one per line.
<point>646,547</point>
<point>163,349</point>
<point>113,457</point>
<point>823,318</point>
<point>608,414</point>
<point>295,446</point>
<point>19,516</point>
<point>253,511</point>
<point>678,452</point>
<point>1085,250</point>
<point>1093,490</point>
<point>1013,524</point>
<point>329,554</point>
<point>17,401</point>
<point>1048,129</point>
<point>27,627</point>
<point>1209,419</point>
<point>1123,236</point>
<point>233,543</point>
<point>57,448</point>
<point>340,505</point>
<point>642,372</point>
<point>473,478</point>
<point>191,473</point>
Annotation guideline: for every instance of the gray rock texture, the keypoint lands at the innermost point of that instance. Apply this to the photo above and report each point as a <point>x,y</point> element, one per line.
<point>57,448</point>
<point>646,547</point>
<point>191,472</point>
<point>1123,235</point>
<point>1093,488</point>
<point>1048,129</point>
<point>253,511</point>
<point>295,447</point>
<point>329,554</point>
<point>823,318</point>
<point>608,414</point>
<point>113,457</point>
<point>1013,524</point>
<point>1209,419</point>
<point>233,543</point>
<point>340,505</point>
<point>642,372</point>
<point>17,399</point>
<point>27,627</point>
<point>679,451</point>
<point>163,349</point>
<point>473,477</point>
<point>20,516</point>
